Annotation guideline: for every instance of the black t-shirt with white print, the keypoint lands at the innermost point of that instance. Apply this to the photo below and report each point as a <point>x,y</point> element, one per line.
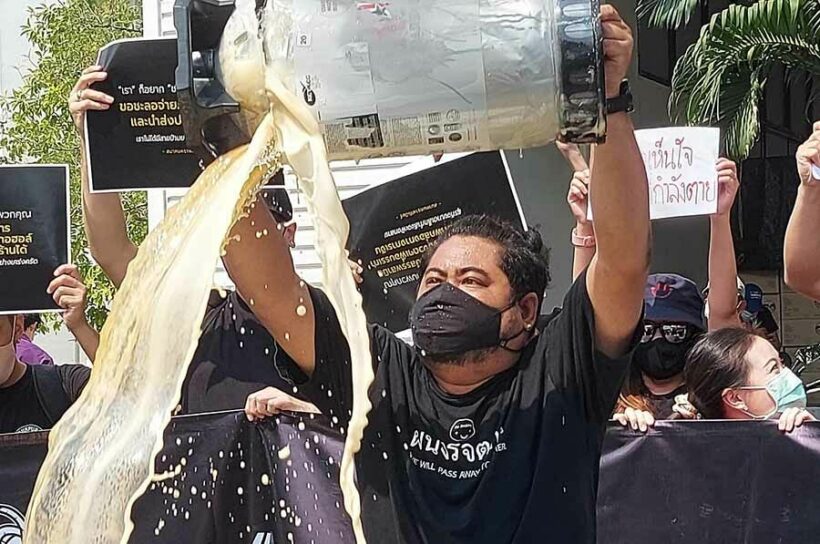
<point>515,460</point>
<point>21,409</point>
<point>236,356</point>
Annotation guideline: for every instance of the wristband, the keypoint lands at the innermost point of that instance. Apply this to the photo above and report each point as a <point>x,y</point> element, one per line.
<point>582,241</point>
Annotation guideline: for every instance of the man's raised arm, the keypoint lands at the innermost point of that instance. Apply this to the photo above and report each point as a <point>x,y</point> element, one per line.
<point>103,217</point>
<point>259,262</point>
<point>802,247</point>
<point>617,274</point>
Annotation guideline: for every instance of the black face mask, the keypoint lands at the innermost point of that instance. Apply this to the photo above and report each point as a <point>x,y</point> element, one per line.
<point>448,321</point>
<point>660,360</point>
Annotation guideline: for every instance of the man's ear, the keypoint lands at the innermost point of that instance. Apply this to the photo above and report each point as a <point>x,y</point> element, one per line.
<point>290,235</point>
<point>529,308</point>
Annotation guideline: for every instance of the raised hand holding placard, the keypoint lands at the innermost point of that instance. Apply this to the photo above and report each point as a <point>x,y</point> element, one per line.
<point>680,169</point>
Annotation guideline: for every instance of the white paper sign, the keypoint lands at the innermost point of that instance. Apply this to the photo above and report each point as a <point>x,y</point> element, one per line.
<point>681,169</point>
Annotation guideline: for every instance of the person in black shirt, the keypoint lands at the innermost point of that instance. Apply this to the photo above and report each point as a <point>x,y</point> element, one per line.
<point>235,355</point>
<point>673,322</point>
<point>34,397</point>
<point>488,429</point>
<point>674,308</point>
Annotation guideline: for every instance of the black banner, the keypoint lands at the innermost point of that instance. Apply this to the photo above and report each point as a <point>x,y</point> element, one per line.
<point>139,142</point>
<point>710,482</point>
<point>34,234</point>
<point>392,224</point>
<point>221,479</point>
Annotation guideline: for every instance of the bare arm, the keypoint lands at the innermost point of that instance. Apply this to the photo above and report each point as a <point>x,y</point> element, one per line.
<point>620,203</point>
<point>103,217</point>
<point>262,269</point>
<point>88,338</point>
<point>577,198</point>
<point>802,247</point>
<point>722,262</point>
<point>70,294</point>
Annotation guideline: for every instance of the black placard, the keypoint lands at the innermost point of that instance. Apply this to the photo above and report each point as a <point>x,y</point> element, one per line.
<point>392,224</point>
<point>139,142</point>
<point>34,234</point>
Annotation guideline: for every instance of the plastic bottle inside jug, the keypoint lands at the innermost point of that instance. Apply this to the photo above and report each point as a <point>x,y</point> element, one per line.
<point>410,77</point>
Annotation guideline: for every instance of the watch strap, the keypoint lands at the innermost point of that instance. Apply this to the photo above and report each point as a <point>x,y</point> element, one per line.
<point>582,241</point>
<point>622,102</point>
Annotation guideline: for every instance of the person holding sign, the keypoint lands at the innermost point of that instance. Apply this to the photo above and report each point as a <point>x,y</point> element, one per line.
<point>802,247</point>
<point>674,323</point>
<point>34,397</point>
<point>70,294</point>
<point>490,428</point>
<point>672,302</point>
<point>235,356</point>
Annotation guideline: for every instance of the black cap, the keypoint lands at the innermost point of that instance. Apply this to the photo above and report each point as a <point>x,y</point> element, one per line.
<point>278,203</point>
<point>673,298</point>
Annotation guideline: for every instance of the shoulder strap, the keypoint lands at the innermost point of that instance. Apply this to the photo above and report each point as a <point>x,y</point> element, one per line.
<point>50,392</point>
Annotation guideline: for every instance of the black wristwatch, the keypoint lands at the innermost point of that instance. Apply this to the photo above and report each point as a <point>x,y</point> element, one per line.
<point>622,102</point>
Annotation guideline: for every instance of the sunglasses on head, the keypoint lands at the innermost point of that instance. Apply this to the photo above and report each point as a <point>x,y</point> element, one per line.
<point>674,333</point>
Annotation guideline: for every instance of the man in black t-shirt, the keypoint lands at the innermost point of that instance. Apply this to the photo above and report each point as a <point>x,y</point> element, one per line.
<point>488,429</point>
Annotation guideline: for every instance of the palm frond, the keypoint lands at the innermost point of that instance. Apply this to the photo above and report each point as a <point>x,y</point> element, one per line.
<point>666,13</point>
<point>720,78</point>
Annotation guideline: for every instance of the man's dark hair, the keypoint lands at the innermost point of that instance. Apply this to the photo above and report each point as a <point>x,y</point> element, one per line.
<point>525,260</point>
<point>31,319</point>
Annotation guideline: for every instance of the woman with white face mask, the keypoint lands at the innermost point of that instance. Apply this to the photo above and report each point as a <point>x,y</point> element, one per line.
<point>735,374</point>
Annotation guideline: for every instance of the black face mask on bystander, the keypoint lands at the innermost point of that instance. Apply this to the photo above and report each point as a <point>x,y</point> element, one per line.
<point>660,359</point>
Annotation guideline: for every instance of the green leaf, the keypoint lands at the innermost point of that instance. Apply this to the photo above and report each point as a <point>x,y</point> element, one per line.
<point>720,78</point>
<point>666,13</point>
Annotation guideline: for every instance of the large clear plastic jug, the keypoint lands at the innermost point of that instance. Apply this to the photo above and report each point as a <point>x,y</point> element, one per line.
<point>406,77</point>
